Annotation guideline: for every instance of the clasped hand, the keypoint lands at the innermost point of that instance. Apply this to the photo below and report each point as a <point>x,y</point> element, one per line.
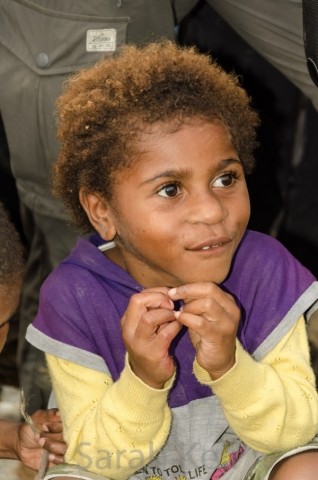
<point>29,445</point>
<point>150,323</point>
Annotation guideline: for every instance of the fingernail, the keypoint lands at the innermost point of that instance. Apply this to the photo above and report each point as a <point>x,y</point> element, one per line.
<point>177,314</point>
<point>41,442</point>
<point>45,428</point>
<point>172,292</point>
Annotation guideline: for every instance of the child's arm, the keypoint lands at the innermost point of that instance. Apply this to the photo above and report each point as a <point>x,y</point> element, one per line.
<point>115,428</point>
<point>111,428</point>
<point>271,404</point>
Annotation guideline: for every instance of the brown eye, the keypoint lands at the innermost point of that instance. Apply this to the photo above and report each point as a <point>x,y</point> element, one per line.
<point>225,180</point>
<point>170,190</point>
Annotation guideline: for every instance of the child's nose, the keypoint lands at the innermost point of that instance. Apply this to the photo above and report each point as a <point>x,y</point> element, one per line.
<point>206,207</point>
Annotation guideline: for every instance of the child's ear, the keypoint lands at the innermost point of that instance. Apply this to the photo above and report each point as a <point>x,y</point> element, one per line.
<point>99,214</point>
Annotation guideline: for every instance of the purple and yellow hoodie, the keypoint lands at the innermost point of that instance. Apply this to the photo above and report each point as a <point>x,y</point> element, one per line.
<point>194,428</point>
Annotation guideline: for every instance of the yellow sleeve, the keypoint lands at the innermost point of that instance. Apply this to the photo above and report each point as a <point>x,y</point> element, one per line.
<point>111,428</point>
<point>271,404</point>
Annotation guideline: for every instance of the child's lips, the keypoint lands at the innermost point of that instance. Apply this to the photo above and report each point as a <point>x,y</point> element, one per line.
<point>211,244</point>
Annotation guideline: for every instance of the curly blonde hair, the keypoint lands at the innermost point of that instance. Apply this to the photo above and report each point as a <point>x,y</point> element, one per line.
<point>104,109</point>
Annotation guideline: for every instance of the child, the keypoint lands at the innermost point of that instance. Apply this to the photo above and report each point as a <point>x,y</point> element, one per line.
<point>175,338</point>
<point>18,440</point>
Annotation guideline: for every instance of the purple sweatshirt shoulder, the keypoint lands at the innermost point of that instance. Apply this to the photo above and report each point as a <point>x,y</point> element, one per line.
<point>270,285</point>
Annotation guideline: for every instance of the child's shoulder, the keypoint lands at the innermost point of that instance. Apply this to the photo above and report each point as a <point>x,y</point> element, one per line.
<point>85,270</point>
<point>272,288</point>
<point>262,242</point>
<point>262,261</point>
<point>259,248</point>
<point>83,263</point>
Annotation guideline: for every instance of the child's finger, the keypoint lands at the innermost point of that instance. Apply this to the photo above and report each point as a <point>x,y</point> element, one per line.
<point>205,290</point>
<point>208,327</point>
<point>194,322</point>
<point>208,307</point>
<point>167,331</point>
<point>144,301</point>
<point>194,290</point>
<point>55,459</point>
<point>138,313</point>
<point>212,310</point>
<point>163,290</point>
<point>41,417</point>
<point>153,321</point>
<point>55,447</point>
<point>52,427</point>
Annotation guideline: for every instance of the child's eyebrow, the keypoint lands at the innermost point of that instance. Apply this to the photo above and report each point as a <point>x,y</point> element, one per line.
<point>185,173</point>
<point>175,174</point>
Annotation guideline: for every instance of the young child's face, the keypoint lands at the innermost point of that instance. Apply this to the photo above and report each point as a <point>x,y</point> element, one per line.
<point>182,209</point>
<point>9,299</point>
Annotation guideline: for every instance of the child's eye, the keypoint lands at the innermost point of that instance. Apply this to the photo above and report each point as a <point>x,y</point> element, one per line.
<point>225,180</point>
<point>169,191</point>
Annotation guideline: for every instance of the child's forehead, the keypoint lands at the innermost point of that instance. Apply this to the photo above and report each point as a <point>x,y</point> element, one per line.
<point>175,124</point>
<point>154,135</point>
<point>160,141</point>
<point>149,135</point>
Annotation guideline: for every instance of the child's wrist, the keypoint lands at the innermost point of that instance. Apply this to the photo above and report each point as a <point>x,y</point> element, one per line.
<point>216,374</point>
<point>157,384</point>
